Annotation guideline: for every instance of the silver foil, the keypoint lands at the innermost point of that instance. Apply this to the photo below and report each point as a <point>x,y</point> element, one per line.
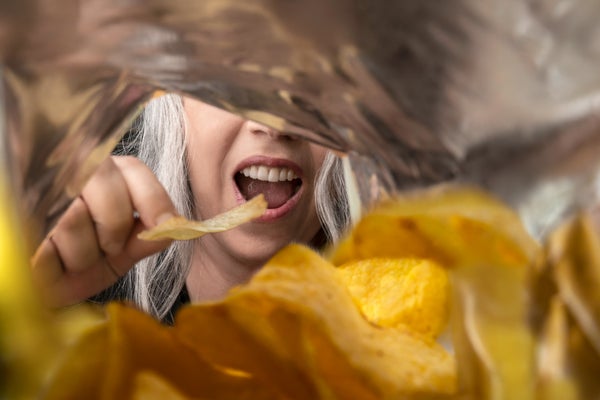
<point>502,94</point>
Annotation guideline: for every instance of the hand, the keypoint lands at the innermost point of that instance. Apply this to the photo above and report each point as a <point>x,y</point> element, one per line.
<point>95,242</point>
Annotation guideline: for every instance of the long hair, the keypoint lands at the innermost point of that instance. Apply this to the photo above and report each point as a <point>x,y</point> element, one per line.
<point>155,283</point>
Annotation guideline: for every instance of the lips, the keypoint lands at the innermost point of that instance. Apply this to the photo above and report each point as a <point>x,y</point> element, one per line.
<point>279,180</point>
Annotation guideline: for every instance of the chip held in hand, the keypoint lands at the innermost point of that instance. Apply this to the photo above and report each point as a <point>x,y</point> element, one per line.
<point>180,228</point>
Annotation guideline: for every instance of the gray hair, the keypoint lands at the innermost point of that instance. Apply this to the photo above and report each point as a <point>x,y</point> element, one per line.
<point>155,283</point>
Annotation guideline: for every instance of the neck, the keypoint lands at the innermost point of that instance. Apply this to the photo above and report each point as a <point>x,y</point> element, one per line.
<point>213,273</point>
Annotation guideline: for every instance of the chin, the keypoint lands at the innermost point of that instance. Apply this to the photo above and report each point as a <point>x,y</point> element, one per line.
<point>259,257</point>
<point>255,250</point>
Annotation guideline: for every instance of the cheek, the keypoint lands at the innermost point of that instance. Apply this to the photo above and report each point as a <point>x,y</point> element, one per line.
<point>200,164</point>
<point>205,174</point>
<point>318,155</point>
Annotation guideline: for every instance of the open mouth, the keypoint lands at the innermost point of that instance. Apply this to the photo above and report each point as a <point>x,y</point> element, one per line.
<point>277,184</point>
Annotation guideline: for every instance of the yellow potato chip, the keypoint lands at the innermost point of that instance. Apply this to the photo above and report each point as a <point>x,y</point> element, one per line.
<point>487,251</point>
<point>493,343</point>
<point>293,332</point>
<point>451,225</point>
<point>392,292</point>
<point>555,375</point>
<point>566,304</point>
<point>28,344</point>
<point>575,258</point>
<point>296,331</point>
<point>296,328</point>
<point>108,359</point>
<point>81,374</point>
<point>180,228</point>
<point>151,386</point>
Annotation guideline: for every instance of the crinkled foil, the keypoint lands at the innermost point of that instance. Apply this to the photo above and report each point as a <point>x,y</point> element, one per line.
<point>499,93</point>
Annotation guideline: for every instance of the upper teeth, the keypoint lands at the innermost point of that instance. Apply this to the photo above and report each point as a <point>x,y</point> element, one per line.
<point>269,174</point>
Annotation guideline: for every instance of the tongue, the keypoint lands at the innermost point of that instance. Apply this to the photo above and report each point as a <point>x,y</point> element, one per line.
<point>276,193</point>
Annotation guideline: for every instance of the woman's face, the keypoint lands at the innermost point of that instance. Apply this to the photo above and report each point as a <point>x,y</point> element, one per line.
<point>232,160</point>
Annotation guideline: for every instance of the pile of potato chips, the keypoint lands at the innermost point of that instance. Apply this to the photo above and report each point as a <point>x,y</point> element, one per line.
<point>439,294</point>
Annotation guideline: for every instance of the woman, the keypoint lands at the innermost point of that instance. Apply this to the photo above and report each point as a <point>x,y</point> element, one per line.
<point>201,161</point>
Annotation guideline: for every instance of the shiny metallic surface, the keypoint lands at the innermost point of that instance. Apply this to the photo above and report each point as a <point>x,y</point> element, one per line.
<point>502,94</point>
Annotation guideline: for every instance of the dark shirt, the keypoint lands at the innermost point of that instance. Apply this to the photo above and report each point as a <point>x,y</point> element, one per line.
<point>182,299</point>
<point>114,294</point>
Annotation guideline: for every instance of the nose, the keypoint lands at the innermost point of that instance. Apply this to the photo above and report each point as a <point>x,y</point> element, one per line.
<point>260,129</point>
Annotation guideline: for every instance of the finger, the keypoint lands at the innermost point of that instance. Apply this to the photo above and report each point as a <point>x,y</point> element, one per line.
<point>107,198</point>
<point>135,250</point>
<point>46,266</point>
<point>149,197</point>
<point>152,203</point>
<point>74,239</point>
<point>67,256</point>
<point>73,288</point>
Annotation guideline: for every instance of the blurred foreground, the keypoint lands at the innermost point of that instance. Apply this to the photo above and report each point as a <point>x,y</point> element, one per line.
<point>362,321</point>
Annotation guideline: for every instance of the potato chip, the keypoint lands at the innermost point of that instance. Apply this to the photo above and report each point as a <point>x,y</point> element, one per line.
<point>487,250</point>
<point>555,379</point>
<point>82,373</point>
<point>363,325</point>
<point>493,343</point>
<point>180,228</point>
<point>28,344</point>
<point>266,340</point>
<point>565,287</point>
<point>575,254</point>
<point>413,292</point>
<point>107,360</point>
<point>296,328</point>
<point>151,386</point>
<point>451,225</point>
